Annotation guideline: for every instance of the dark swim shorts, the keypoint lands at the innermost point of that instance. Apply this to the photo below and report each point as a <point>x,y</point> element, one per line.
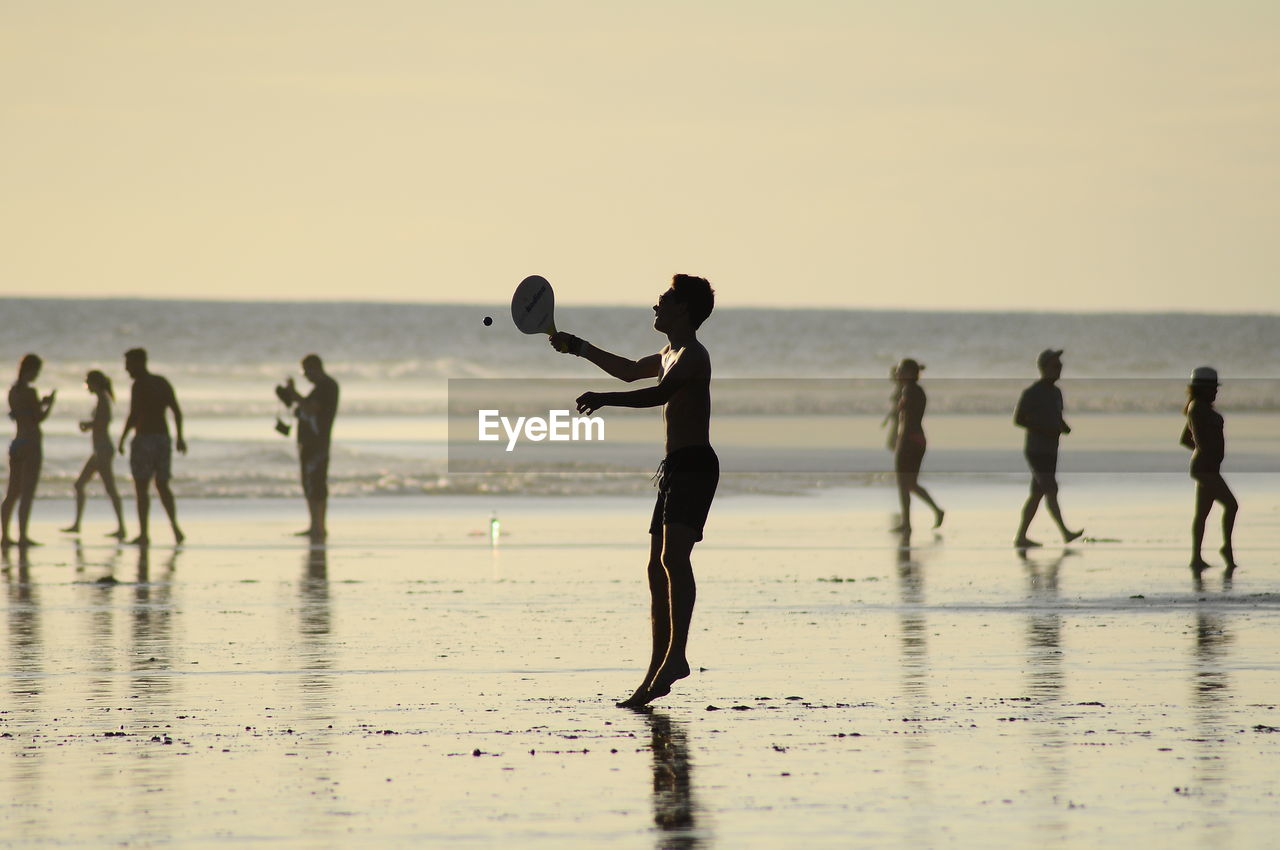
<point>150,456</point>
<point>686,480</point>
<point>315,472</point>
<point>1044,468</point>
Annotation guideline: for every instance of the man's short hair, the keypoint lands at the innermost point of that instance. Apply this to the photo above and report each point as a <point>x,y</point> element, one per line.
<point>312,360</point>
<point>138,354</point>
<point>696,294</point>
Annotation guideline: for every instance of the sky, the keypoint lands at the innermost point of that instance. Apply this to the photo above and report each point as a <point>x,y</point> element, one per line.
<point>1082,155</point>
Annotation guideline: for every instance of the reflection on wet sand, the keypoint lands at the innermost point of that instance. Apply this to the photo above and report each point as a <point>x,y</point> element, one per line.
<point>315,624</point>
<point>26,670</point>
<point>1046,684</point>
<point>914,666</point>
<point>1211,705</point>
<point>675,809</point>
<point>153,643</point>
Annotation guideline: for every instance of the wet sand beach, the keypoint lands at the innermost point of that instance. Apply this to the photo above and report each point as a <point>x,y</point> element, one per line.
<point>409,684</point>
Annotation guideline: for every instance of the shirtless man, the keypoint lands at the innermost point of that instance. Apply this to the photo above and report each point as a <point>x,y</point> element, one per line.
<point>150,452</point>
<point>1039,411</point>
<point>687,476</point>
<point>315,412</point>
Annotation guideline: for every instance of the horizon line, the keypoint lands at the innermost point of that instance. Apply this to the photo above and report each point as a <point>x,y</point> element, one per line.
<point>618,305</point>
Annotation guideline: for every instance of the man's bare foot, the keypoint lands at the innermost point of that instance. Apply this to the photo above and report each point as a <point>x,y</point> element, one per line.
<point>178,536</point>
<point>306,532</point>
<point>1199,565</point>
<point>27,541</point>
<point>901,528</point>
<point>644,695</point>
<point>1229,557</point>
<point>1068,536</point>
<point>319,536</point>
<point>659,687</point>
<point>71,529</point>
<point>140,540</point>
<point>6,542</point>
<point>118,534</point>
<point>1025,543</point>
<point>937,517</point>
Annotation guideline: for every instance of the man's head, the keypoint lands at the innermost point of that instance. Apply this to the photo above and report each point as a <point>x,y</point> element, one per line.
<point>689,299</point>
<point>135,362</point>
<point>312,367</point>
<point>1050,363</point>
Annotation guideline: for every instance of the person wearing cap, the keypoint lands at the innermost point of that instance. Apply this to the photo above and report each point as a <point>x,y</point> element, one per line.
<point>1203,434</point>
<point>910,444</point>
<point>1039,411</point>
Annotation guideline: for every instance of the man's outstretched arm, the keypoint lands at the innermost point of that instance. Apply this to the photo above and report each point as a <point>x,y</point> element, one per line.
<point>682,372</point>
<point>619,367</point>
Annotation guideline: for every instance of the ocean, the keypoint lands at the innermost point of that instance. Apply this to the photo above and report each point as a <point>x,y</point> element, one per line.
<point>395,363</point>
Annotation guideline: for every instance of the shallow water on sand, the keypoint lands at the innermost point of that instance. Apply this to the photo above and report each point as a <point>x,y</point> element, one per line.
<point>411,685</point>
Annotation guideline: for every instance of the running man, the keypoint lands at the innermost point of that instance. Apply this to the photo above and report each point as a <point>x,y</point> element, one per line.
<point>151,452</point>
<point>315,412</point>
<point>1040,412</point>
<point>687,476</point>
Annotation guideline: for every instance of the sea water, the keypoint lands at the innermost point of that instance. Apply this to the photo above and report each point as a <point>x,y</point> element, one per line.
<point>788,374</point>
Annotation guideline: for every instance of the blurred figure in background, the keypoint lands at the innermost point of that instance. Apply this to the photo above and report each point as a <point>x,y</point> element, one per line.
<point>1205,437</point>
<point>104,453</point>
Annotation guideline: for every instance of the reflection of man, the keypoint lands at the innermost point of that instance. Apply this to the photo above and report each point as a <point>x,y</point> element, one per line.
<point>688,474</point>
<point>151,451</point>
<point>315,413</point>
<point>1040,412</point>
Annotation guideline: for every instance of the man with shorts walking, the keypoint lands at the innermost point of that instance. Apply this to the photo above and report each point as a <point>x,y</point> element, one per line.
<point>315,412</point>
<point>150,452</point>
<point>687,476</point>
<point>1040,412</point>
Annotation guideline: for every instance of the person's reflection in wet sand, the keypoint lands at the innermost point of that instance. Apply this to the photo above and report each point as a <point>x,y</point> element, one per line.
<point>915,641</point>
<point>1045,687</point>
<point>152,627</point>
<point>1211,709</point>
<point>917,743</point>
<point>675,810</point>
<point>83,562</point>
<point>314,628</point>
<point>26,684</point>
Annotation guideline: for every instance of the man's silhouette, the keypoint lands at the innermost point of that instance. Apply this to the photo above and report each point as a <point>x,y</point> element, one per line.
<point>1040,412</point>
<point>687,476</point>
<point>151,451</point>
<point>315,412</point>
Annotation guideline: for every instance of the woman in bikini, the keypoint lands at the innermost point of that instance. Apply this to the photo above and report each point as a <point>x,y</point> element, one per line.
<point>26,453</point>
<point>103,453</point>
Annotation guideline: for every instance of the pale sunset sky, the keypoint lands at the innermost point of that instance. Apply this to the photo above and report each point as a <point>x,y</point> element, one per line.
<point>926,154</point>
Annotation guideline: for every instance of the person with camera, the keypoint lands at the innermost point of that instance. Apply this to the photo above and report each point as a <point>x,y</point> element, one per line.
<point>315,412</point>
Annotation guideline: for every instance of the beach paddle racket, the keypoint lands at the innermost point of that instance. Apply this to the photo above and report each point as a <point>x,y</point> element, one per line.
<point>533,306</point>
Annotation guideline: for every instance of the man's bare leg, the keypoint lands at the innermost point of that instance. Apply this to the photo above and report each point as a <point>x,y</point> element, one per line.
<point>1028,513</point>
<point>170,508</point>
<point>675,612</point>
<point>318,531</point>
<point>659,619</point>
<point>140,488</point>
<point>1051,500</point>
